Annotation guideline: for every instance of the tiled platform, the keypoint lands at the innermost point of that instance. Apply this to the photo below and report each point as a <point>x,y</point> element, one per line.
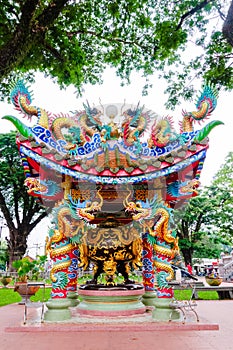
<point>213,332</point>
<point>80,323</point>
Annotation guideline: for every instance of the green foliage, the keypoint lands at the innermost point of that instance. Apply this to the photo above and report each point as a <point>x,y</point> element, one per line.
<point>20,212</point>
<point>74,41</point>
<point>11,171</point>
<point>12,175</point>
<point>221,189</point>
<point>29,269</point>
<point>205,225</point>
<point>209,246</point>
<point>3,255</point>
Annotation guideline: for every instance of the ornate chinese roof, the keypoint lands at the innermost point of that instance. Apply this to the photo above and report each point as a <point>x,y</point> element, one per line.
<point>115,143</point>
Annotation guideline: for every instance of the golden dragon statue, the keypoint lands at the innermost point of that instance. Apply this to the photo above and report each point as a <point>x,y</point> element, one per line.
<point>206,103</point>
<point>21,98</point>
<point>155,219</point>
<point>59,256</point>
<point>163,233</point>
<point>42,188</point>
<point>70,220</point>
<point>163,132</point>
<point>133,127</point>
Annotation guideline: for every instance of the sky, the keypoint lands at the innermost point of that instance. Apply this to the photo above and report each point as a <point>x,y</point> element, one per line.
<point>47,95</point>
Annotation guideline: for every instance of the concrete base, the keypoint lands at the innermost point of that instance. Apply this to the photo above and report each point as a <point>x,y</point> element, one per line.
<point>209,311</point>
<point>163,311</point>
<point>58,310</point>
<point>149,298</point>
<point>73,298</point>
<point>111,302</point>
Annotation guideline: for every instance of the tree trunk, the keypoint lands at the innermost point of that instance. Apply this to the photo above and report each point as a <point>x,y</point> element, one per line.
<point>17,246</point>
<point>187,254</point>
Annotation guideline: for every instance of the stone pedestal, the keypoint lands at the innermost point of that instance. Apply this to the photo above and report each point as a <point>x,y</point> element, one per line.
<point>163,312</point>
<point>110,302</point>
<point>73,298</point>
<point>58,310</point>
<point>149,298</point>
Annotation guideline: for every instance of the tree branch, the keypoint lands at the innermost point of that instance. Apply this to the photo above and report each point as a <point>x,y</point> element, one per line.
<point>16,205</point>
<point>198,223</point>
<point>6,212</point>
<point>31,211</point>
<point>221,14</point>
<point>109,39</point>
<point>36,222</point>
<point>228,25</point>
<point>25,205</point>
<point>54,52</point>
<point>50,14</point>
<point>184,230</point>
<point>17,48</point>
<point>27,33</point>
<point>191,12</point>
<point>27,10</point>
<point>11,9</point>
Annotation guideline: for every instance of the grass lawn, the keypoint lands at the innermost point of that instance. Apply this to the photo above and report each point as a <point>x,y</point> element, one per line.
<point>186,295</point>
<point>8,296</point>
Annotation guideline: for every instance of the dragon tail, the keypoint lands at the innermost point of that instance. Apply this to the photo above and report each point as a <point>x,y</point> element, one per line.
<point>23,129</point>
<point>206,130</point>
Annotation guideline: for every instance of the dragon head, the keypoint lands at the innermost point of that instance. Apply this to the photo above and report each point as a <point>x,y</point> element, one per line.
<point>34,185</point>
<point>191,186</point>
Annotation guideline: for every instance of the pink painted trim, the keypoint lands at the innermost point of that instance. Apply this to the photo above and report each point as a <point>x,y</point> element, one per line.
<point>110,293</point>
<point>118,327</point>
<point>112,313</point>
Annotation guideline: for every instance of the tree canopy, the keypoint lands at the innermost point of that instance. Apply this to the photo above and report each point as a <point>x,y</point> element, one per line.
<point>205,226</point>
<point>222,186</point>
<point>20,212</point>
<point>74,41</point>
<point>3,255</point>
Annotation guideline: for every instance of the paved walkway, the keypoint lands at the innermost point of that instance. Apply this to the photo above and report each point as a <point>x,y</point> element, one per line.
<point>13,335</point>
